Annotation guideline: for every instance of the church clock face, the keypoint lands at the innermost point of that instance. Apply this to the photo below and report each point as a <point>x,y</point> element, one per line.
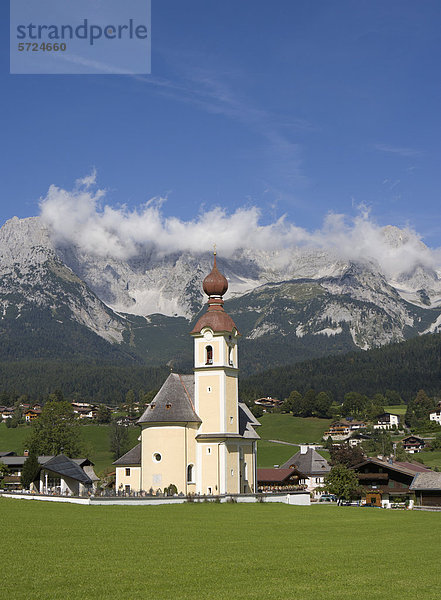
<point>208,335</point>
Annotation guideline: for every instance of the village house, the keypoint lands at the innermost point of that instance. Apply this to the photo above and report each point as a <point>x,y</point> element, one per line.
<point>279,480</point>
<point>268,402</point>
<point>387,421</point>
<point>31,414</point>
<point>342,430</point>
<point>413,444</point>
<point>385,480</point>
<point>311,465</point>
<point>435,414</point>
<point>427,488</point>
<point>195,434</point>
<point>6,412</point>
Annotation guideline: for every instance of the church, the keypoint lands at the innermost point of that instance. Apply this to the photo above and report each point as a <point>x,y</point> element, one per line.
<point>195,434</point>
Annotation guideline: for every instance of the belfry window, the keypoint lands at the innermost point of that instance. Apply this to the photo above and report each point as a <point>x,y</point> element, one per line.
<point>209,355</point>
<point>230,355</point>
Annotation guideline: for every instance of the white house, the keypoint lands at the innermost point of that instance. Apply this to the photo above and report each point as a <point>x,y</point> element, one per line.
<point>387,421</point>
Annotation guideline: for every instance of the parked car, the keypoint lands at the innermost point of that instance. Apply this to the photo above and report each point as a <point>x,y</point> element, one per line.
<point>328,498</point>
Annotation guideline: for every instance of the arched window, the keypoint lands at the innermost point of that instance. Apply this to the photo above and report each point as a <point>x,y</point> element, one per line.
<point>230,355</point>
<point>209,355</point>
<point>190,471</point>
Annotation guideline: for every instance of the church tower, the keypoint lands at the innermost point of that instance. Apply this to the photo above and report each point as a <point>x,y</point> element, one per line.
<point>224,458</point>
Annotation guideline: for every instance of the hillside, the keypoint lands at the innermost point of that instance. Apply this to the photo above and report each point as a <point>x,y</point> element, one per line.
<point>405,367</point>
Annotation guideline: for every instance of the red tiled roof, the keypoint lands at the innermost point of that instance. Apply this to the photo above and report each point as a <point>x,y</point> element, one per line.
<point>418,468</point>
<point>275,475</point>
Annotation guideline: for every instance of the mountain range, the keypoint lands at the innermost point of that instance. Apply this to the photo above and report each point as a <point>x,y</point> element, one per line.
<point>59,302</point>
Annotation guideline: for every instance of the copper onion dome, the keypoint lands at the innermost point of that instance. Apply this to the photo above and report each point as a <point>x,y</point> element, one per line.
<point>215,284</point>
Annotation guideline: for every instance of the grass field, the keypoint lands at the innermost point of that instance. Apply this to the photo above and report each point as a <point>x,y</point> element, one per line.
<point>269,454</point>
<point>218,552</point>
<point>292,429</point>
<point>396,409</point>
<point>287,429</point>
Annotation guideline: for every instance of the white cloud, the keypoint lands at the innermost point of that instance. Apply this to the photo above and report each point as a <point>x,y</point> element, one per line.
<point>81,217</point>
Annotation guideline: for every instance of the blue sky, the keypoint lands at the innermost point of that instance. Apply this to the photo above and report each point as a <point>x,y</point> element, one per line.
<point>295,107</point>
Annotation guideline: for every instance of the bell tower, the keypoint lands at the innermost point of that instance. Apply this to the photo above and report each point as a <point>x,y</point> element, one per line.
<point>216,391</point>
<point>216,361</point>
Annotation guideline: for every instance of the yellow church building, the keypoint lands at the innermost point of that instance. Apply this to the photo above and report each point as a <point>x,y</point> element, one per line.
<point>195,433</point>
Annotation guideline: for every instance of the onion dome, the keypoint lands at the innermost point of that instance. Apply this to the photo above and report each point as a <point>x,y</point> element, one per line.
<point>215,284</point>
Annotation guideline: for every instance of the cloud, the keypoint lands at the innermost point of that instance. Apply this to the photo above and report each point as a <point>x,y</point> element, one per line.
<point>81,217</point>
<point>399,150</point>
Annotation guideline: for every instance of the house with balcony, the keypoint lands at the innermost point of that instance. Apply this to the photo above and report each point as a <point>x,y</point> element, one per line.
<point>387,421</point>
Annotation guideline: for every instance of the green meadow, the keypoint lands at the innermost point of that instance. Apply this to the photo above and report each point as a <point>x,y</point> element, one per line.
<point>217,552</point>
<point>286,428</point>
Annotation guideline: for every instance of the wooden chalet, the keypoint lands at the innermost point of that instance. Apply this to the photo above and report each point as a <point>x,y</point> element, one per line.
<point>413,444</point>
<point>382,480</point>
<point>278,480</point>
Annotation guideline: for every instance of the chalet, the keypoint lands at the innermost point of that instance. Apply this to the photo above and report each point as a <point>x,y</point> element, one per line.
<point>427,488</point>
<point>413,444</point>
<point>31,414</point>
<point>84,410</point>
<point>387,421</point>
<point>342,430</point>
<point>382,480</point>
<point>278,480</point>
<point>267,402</point>
<point>312,466</point>
<point>6,412</point>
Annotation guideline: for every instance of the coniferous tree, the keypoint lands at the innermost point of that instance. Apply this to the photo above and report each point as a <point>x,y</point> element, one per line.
<point>31,468</point>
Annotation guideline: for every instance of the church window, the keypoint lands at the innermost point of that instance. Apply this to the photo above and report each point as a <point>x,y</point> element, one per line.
<point>231,420</point>
<point>209,389</point>
<point>209,355</point>
<point>190,473</point>
<point>232,472</point>
<point>127,489</point>
<point>127,472</point>
<point>208,450</point>
<point>209,491</point>
<point>230,355</point>
<point>157,457</point>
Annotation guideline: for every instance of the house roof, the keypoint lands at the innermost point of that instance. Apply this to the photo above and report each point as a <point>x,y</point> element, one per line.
<point>174,403</point>
<point>7,453</point>
<point>18,461</point>
<point>62,465</point>
<point>426,481</point>
<point>308,463</point>
<point>402,467</point>
<point>247,422</point>
<point>417,467</point>
<point>132,457</point>
<point>275,475</point>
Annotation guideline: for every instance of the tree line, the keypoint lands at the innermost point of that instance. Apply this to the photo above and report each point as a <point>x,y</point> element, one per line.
<point>405,367</point>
